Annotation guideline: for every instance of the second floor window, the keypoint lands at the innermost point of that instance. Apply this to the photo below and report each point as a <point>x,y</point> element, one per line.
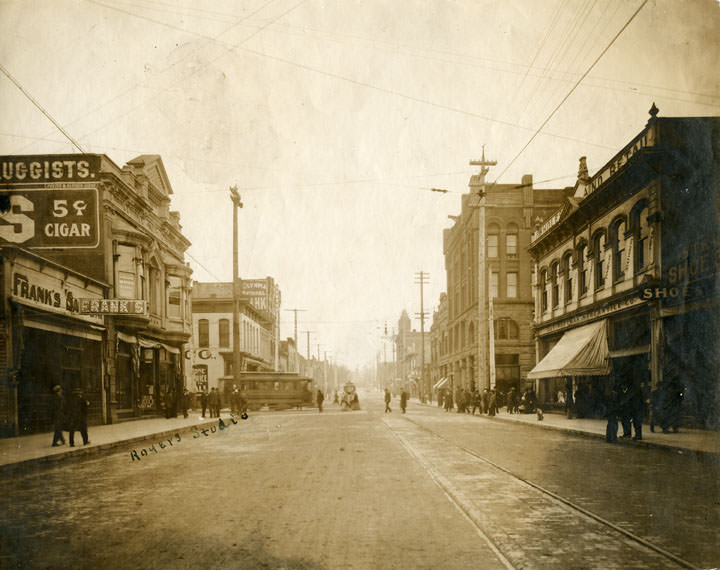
<point>567,273</point>
<point>554,283</point>
<point>542,285</point>
<point>203,333</point>
<point>582,269</point>
<point>224,333</point>
<point>511,241</point>
<point>599,255</point>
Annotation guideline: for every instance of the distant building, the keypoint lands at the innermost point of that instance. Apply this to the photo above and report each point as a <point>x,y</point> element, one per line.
<point>502,221</point>
<point>627,274</point>
<point>210,353</point>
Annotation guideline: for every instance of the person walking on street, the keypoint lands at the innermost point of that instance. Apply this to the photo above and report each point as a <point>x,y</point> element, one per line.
<point>403,400</point>
<point>58,415</point>
<point>214,402</point>
<point>320,398</point>
<point>625,409</point>
<point>492,403</point>
<point>388,397</point>
<point>612,405</point>
<point>203,401</point>
<point>476,402</point>
<point>77,416</point>
<point>185,402</point>
<point>637,408</point>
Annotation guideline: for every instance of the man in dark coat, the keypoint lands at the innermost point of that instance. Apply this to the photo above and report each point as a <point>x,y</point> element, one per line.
<point>320,398</point>
<point>204,401</point>
<point>185,401</point>
<point>403,400</point>
<point>77,416</point>
<point>388,397</point>
<point>214,401</point>
<point>612,406</point>
<point>58,415</point>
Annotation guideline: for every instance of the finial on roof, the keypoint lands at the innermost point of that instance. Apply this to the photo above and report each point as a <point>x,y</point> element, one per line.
<point>653,110</point>
<point>583,173</point>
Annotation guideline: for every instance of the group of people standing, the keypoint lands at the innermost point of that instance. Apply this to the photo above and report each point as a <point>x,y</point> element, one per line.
<point>211,400</point>
<point>69,415</point>
<point>488,401</point>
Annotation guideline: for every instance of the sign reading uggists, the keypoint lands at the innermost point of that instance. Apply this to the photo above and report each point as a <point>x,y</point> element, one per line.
<point>50,202</point>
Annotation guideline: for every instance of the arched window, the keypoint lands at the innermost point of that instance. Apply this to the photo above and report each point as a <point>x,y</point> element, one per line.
<point>566,269</point>
<point>542,284</point>
<point>554,284</point>
<point>492,240</point>
<point>617,242</point>
<point>511,241</point>
<point>203,333</point>
<point>582,265</point>
<point>641,232</point>
<point>224,331</point>
<point>599,258</point>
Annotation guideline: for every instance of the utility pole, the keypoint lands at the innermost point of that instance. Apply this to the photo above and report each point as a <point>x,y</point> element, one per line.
<point>478,200</point>
<point>318,351</point>
<point>237,204</point>
<point>296,311</point>
<point>421,278</point>
<point>308,342</point>
<point>297,350</point>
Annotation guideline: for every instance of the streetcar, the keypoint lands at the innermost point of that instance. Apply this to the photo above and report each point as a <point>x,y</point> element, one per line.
<point>349,400</point>
<point>272,390</point>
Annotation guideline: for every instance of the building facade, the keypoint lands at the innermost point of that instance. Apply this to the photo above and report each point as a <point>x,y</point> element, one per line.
<point>82,220</point>
<point>209,355</point>
<point>626,288</point>
<point>490,344</point>
<point>408,357</point>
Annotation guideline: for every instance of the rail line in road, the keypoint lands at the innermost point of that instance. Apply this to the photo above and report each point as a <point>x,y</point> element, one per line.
<point>474,515</point>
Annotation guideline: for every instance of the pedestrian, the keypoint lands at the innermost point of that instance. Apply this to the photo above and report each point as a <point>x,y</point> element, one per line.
<point>612,406</point>
<point>511,400</point>
<point>448,401</point>
<point>58,415</point>
<point>235,400</point>
<point>476,402</point>
<point>625,409</point>
<point>569,400</point>
<point>77,416</point>
<point>637,408</point>
<point>492,403</point>
<point>214,403</point>
<point>387,401</point>
<point>403,400</point>
<point>185,402</point>
<point>485,401</point>
<point>320,399</point>
<point>336,400</point>
<point>204,401</point>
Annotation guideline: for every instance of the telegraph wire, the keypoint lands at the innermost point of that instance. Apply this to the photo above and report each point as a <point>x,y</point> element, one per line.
<point>587,71</point>
<point>42,109</point>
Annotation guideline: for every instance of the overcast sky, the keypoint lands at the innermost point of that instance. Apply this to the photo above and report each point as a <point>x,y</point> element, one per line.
<point>335,119</point>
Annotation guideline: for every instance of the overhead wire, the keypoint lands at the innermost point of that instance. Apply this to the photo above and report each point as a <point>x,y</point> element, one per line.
<point>42,109</point>
<point>587,71</point>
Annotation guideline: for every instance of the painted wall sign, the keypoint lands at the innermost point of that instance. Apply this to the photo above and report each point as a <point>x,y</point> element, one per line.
<point>49,168</point>
<point>46,218</point>
<point>606,309</point>
<point>44,292</point>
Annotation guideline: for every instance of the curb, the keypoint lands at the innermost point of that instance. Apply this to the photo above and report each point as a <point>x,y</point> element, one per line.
<point>589,434</point>
<point>16,468</point>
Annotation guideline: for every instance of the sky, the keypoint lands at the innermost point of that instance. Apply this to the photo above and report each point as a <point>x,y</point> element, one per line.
<point>336,118</point>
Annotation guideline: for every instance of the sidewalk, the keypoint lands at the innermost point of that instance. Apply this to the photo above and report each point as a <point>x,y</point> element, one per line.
<point>686,440</point>
<point>18,453</point>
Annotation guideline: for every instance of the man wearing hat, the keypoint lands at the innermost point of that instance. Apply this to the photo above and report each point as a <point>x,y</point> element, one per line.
<point>77,416</point>
<point>58,415</point>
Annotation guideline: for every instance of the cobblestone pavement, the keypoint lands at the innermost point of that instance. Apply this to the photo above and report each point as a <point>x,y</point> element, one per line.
<point>286,491</point>
<point>668,498</point>
<point>360,490</point>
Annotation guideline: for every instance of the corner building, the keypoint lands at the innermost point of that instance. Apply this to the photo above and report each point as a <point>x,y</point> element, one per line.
<point>626,285</point>
<point>502,221</point>
<point>95,288</point>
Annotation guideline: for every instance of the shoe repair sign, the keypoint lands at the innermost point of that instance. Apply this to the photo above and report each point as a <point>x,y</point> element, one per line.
<point>48,204</point>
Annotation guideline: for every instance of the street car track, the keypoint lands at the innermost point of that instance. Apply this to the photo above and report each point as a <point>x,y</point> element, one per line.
<point>546,492</point>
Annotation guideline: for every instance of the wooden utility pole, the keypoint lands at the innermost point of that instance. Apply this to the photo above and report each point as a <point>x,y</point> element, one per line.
<point>308,342</point>
<point>421,278</point>
<point>237,204</point>
<point>479,202</point>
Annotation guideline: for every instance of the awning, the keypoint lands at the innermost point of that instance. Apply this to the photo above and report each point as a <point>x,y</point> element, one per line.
<point>440,383</point>
<point>150,343</point>
<point>582,351</point>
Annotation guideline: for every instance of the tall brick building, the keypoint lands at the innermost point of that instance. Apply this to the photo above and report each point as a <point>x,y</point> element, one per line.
<point>502,220</point>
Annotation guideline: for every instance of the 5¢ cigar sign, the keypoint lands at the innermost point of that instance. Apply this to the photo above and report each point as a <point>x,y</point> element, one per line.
<point>43,207</point>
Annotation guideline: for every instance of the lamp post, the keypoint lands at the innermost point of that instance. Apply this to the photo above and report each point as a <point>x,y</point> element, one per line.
<point>237,204</point>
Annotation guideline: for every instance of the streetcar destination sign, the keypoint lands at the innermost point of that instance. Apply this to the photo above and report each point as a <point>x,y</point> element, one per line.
<point>49,217</point>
